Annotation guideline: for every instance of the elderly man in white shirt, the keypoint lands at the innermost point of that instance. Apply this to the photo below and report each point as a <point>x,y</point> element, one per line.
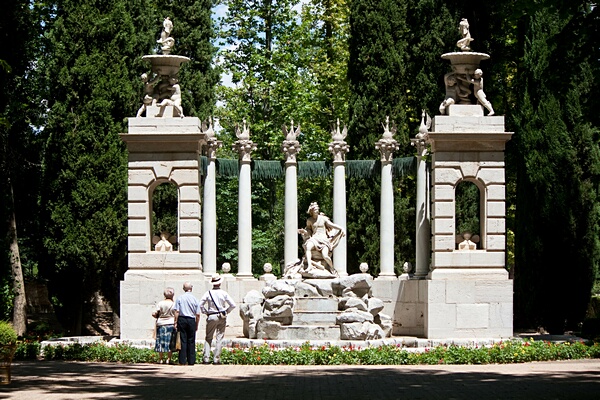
<point>215,304</point>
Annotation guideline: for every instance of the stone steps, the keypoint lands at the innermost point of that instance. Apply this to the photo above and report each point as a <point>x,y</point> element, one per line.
<point>314,318</point>
<point>316,304</point>
<point>309,332</point>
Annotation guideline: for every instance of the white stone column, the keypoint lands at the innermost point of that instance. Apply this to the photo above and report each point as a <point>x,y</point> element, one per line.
<point>386,146</point>
<point>291,147</point>
<point>423,229</point>
<point>423,232</point>
<point>209,214</point>
<point>339,148</point>
<point>244,146</point>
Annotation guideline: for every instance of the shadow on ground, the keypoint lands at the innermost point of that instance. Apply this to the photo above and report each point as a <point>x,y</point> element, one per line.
<point>69,380</point>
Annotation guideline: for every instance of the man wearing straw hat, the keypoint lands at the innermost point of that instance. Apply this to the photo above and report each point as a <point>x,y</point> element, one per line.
<point>216,304</point>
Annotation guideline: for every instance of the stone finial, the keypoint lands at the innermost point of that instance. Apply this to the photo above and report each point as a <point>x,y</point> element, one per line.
<point>207,128</point>
<point>244,133</point>
<point>290,146</point>
<point>465,42</point>
<point>364,267</point>
<point>336,134</point>
<point>421,139</point>
<point>291,134</point>
<point>267,276</point>
<point>244,146</point>
<point>212,144</point>
<point>387,133</point>
<point>226,268</point>
<point>387,145</point>
<point>166,41</point>
<point>425,125</point>
<point>339,147</point>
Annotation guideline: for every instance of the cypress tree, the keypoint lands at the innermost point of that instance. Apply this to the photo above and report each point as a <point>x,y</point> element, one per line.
<point>378,87</point>
<point>93,68</point>
<point>557,168</point>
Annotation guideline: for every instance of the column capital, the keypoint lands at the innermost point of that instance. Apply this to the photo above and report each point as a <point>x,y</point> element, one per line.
<point>244,148</point>
<point>212,145</point>
<point>387,147</point>
<point>291,148</point>
<point>339,148</point>
<point>421,143</point>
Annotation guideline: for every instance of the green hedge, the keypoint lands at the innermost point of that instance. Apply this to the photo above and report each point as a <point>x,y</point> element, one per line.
<point>516,351</point>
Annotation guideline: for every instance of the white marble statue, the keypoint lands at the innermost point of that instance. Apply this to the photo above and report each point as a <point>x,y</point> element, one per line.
<point>149,95</point>
<point>465,42</point>
<point>477,82</point>
<point>173,100</point>
<point>452,92</point>
<point>164,243</point>
<point>166,41</point>
<point>321,236</point>
<point>466,241</point>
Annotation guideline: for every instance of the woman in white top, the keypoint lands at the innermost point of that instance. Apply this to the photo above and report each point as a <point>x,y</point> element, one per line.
<point>165,319</point>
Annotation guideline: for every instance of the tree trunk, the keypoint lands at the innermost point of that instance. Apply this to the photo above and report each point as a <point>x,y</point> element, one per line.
<point>20,303</point>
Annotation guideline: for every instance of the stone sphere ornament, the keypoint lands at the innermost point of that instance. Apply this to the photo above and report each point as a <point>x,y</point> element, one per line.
<point>364,267</point>
<point>226,268</point>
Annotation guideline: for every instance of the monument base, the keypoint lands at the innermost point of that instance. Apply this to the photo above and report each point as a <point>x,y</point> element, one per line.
<point>142,289</point>
<point>456,307</point>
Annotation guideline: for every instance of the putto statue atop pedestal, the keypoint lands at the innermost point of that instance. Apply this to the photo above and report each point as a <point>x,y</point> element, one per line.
<point>162,93</point>
<point>465,81</point>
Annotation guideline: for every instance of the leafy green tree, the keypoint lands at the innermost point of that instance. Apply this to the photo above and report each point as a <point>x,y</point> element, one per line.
<point>283,64</point>
<point>557,168</point>
<point>378,88</point>
<point>94,64</point>
<point>20,145</point>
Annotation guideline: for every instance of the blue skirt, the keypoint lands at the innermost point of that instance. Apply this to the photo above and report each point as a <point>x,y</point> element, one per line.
<point>163,338</point>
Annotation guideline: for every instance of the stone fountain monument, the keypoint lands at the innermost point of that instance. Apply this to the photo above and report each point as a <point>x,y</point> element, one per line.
<point>164,147</point>
<point>465,291</point>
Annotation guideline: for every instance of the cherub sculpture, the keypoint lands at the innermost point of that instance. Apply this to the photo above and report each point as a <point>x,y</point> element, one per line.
<point>467,241</point>
<point>149,95</point>
<point>174,100</point>
<point>165,242</point>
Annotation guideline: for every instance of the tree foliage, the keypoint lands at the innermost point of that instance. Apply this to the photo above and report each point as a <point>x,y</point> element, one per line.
<point>70,78</point>
<point>557,166</point>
